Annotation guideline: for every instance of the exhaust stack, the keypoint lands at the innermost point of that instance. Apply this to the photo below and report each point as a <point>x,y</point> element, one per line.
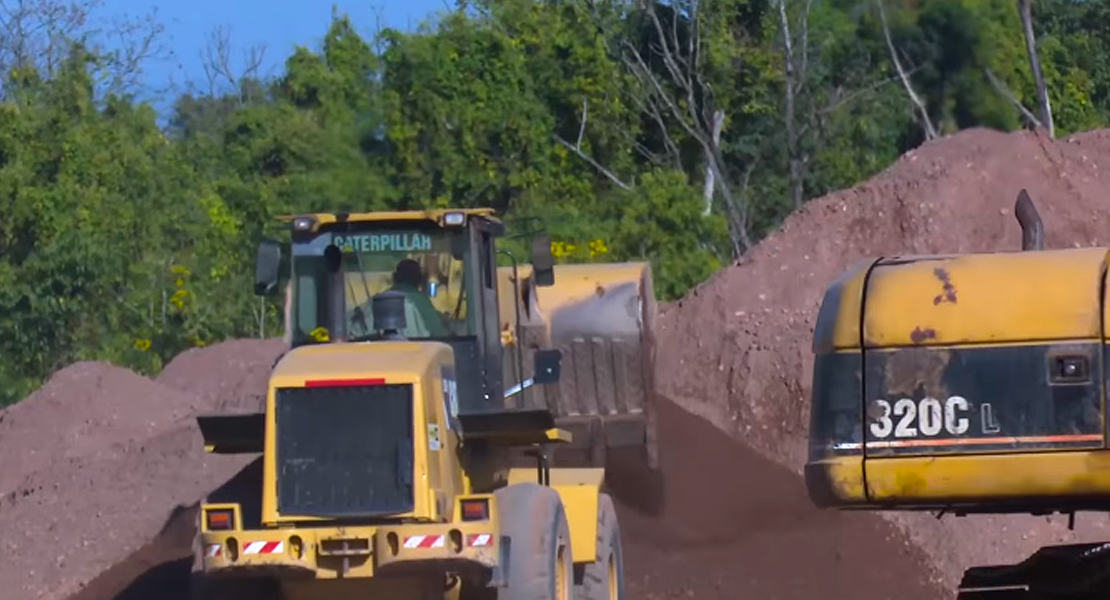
<point>1032,228</point>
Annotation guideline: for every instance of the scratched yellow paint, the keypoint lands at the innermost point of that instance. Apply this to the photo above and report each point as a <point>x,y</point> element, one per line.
<point>985,298</point>
<point>838,320</point>
<point>989,477</point>
<point>971,478</point>
<point>841,482</point>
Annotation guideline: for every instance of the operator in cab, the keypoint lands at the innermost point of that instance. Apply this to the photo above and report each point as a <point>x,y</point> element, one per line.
<point>407,278</point>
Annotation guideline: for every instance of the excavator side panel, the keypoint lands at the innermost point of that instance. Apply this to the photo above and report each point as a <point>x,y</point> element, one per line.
<point>983,380</point>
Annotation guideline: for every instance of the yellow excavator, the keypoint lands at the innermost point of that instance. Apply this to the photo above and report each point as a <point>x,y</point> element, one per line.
<point>440,426</point>
<point>970,383</point>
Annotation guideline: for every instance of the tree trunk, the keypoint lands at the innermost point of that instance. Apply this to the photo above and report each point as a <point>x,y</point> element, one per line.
<point>710,182</point>
<point>1025,8</point>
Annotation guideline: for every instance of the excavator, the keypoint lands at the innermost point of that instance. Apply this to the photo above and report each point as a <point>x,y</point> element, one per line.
<point>440,426</point>
<point>971,384</point>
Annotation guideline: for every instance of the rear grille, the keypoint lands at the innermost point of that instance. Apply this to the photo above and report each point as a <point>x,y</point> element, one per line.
<point>344,451</point>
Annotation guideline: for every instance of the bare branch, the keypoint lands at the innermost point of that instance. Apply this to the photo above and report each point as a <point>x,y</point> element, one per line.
<point>39,35</point>
<point>840,99</point>
<point>1002,89</point>
<point>216,62</point>
<point>600,169</point>
<point>791,85</point>
<point>930,131</point>
<point>582,125</point>
<point>652,109</point>
<point>803,70</point>
<point>679,93</point>
<point>710,180</point>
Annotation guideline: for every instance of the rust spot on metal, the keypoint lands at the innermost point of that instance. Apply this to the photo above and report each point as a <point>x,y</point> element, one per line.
<point>919,335</point>
<point>949,292</point>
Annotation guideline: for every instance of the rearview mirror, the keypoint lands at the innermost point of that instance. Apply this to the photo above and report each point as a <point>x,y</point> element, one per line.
<point>543,262</point>
<point>459,243</point>
<point>545,366</point>
<point>267,267</point>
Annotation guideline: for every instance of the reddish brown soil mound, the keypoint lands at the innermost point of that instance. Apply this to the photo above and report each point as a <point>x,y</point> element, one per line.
<point>228,377</point>
<point>96,460</point>
<point>737,525</point>
<point>84,411</point>
<point>737,348</point>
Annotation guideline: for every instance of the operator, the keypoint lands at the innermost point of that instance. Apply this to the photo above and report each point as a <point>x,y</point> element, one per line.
<point>407,277</point>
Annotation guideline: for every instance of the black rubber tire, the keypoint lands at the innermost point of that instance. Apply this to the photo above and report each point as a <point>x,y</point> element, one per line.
<point>533,517</point>
<point>596,577</point>
<point>203,588</point>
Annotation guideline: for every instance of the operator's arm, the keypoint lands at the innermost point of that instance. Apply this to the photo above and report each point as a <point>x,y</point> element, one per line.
<point>432,319</point>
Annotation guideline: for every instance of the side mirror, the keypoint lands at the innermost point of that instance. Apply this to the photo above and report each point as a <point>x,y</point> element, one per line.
<point>267,268</point>
<point>543,262</point>
<point>545,366</point>
<point>459,243</point>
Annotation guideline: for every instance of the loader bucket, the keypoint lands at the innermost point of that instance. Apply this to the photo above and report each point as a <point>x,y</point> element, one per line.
<point>602,318</point>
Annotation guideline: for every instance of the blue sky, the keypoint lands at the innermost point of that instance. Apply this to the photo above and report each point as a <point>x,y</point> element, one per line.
<point>252,22</point>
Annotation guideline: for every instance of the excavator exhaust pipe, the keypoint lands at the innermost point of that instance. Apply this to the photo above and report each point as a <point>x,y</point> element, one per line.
<point>1032,228</point>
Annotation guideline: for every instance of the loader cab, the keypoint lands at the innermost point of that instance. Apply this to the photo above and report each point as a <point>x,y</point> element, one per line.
<point>445,262</point>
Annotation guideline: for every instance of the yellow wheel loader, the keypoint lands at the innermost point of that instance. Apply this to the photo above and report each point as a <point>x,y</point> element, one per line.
<point>971,383</point>
<point>410,442</point>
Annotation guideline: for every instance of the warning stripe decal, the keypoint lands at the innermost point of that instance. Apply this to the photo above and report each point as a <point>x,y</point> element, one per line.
<point>425,541</point>
<point>264,548</point>
<point>213,550</point>
<point>478,540</point>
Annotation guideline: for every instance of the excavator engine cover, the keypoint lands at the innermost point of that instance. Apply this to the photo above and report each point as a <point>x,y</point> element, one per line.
<point>973,383</point>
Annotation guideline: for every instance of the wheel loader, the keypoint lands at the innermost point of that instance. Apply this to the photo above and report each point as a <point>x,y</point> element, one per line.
<point>440,425</point>
<point>971,384</point>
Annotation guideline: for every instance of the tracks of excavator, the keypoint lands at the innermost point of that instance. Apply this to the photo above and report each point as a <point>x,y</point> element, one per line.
<point>1066,572</point>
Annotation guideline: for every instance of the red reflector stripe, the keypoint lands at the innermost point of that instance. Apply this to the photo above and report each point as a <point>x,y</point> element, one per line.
<point>319,383</point>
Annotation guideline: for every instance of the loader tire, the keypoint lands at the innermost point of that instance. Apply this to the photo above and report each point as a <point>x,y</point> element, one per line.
<point>603,579</point>
<point>540,565</point>
<point>252,588</point>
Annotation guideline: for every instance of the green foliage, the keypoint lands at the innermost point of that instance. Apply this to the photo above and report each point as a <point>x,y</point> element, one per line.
<point>124,241</point>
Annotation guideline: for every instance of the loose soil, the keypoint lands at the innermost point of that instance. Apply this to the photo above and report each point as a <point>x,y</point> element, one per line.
<point>96,460</point>
<point>737,349</point>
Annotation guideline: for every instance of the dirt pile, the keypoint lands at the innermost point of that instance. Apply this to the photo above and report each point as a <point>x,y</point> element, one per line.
<point>737,349</point>
<point>228,377</point>
<point>84,411</point>
<point>94,462</point>
<point>737,525</point>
